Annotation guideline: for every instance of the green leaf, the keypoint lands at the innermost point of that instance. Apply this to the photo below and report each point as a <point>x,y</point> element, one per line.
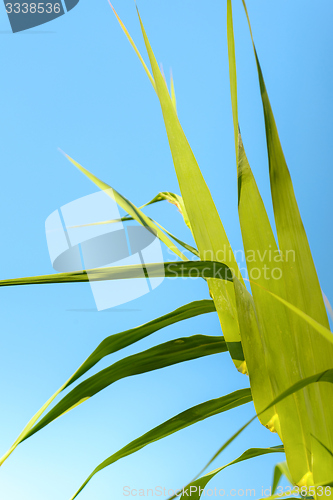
<point>293,349</point>
<point>314,353</point>
<point>127,218</point>
<point>175,424</point>
<point>133,45</point>
<point>213,240</point>
<point>113,344</point>
<point>129,207</point>
<point>324,332</point>
<point>173,93</point>
<point>161,356</point>
<point>302,274</point>
<point>326,376</point>
<point>256,239</point>
<point>124,339</point>
<point>188,247</point>
<point>195,489</point>
<point>203,269</point>
<point>232,74</point>
<point>280,470</point>
<point>174,199</point>
<point>330,452</point>
<point>251,334</point>
<point>23,435</point>
<point>206,226</point>
<point>269,348</point>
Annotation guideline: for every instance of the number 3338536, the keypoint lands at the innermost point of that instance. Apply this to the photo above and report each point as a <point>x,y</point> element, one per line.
<point>33,8</point>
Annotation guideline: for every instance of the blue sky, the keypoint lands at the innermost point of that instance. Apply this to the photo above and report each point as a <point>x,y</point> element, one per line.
<point>76,84</point>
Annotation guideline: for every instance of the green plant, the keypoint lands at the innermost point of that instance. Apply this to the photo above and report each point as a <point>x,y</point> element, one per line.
<point>279,335</point>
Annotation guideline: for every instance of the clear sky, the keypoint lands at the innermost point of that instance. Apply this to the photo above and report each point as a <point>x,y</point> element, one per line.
<point>76,83</point>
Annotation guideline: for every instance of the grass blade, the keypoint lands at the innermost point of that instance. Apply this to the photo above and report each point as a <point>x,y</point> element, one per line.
<point>194,489</point>
<point>128,218</point>
<point>207,229</point>
<point>296,347</point>
<point>129,207</point>
<point>203,269</point>
<point>175,424</point>
<point>280,470</point>
<point>269,349</point>
<point>174,199</point>
<point>314,352</point>
<point>161,356</point>
<point>131,41</point>
<point>113,344</point>
<point>326,376</point>
<point>324,332</point>
<point>251,334</point>
<point>173,93</point>
<point>24,434</point>
<point>124,339</point>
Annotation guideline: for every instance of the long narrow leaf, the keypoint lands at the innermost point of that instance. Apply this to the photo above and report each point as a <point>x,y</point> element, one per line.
<point>205,222</point>
<point>175,424</point>
<point>161,356</point>
<point>113,344</point>
<point>174,199</point>
<point>129,207</point>
<point>280,470</point>
<point>314,353</point>
<point>326,376</point>
<point>124,339</point>
<point>127,218</point>
<point>134,46</point>
<point>189,269</point>
<point>273,365</point>
<point>195,489</point>
<point>324,332</point>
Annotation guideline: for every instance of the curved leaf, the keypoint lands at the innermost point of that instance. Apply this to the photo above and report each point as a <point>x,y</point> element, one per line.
<point>195,489</point>
<point>174,199</point>
<point>175,424</point>
<point>113,344</point>
<point>129,207</point>
<point>280,470</point>
<point>161,356</point>
<point>204,220</point>
<point>127,218</point>
<point>123,339</point>
<point>203,269</point>
<point>326,376</point>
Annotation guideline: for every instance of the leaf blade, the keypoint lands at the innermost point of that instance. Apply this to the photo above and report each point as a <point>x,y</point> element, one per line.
<point>161,356</point>
<point>199,485</point>
<point>128,206</point>
<point>175,424</point>
<point>113,344</point>
<point>205,222</point>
